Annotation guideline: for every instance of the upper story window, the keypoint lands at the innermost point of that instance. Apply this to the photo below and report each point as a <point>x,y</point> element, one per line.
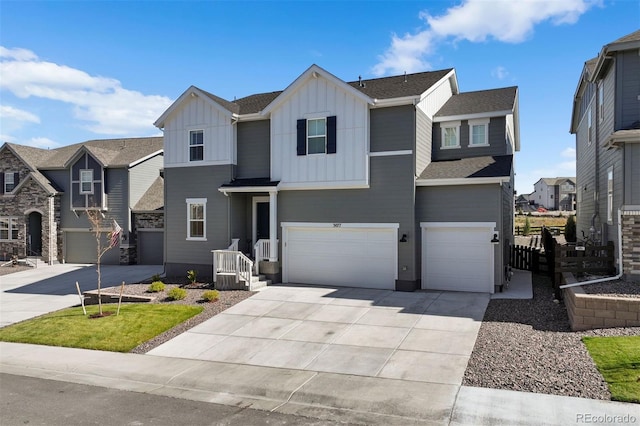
<point>450,135</point>
<point>589,125</point>
<point>8,228</point>
<point>196,145</point>
<point>10,182</point>
<point>600,100</point>
<point>479,132</point>
<point>196,219</point>
<point>86,181</point>
<point>317,136</point>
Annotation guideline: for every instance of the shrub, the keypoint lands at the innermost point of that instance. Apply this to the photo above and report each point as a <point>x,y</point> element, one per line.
<point>192,275</point>
<point>156,287</point>
<point>211,295</point>
<point>177,293</point>
<point>527,227</point>
<point>155,277</point>
<point>570,230</point>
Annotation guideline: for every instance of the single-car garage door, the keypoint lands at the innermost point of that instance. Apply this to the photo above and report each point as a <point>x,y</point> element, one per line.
<point>80,247</point>
<point>351,255</point>
<point>457,256</point>
<point>150,247</point>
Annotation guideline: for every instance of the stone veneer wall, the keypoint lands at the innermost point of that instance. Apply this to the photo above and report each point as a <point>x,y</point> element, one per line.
<point>631,245</point>
<point>588,311</point>
<point>153,220</point>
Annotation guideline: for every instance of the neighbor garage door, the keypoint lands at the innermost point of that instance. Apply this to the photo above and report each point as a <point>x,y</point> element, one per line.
<point>457,256</point>
<point>150,247</point>
<point>80,247</point>
<point>352,255</point>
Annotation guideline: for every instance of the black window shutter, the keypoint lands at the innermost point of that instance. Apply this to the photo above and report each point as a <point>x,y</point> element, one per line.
<point>2,182</point>
<point>302,137</point>
<point>16,179</point>
<point>331,135</point>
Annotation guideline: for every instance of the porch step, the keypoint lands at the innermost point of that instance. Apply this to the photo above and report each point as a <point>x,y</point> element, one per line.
<point>258,282</point>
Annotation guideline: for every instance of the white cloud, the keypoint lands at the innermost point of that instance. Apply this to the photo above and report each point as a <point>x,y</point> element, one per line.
<point>477,21</point>
<point>41,143</point>
<point>500,73</point>
<point>10,113</point>
<point>569,153</point>
<point>101,103</point>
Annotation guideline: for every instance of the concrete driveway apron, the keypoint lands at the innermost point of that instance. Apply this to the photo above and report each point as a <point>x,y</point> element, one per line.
<point>37,291</point>
<point>420,336</point>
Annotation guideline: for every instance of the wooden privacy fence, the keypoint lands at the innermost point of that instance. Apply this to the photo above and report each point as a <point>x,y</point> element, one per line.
<point>525,258</point>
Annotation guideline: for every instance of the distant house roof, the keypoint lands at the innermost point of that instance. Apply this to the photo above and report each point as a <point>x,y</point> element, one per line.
<point>558,180</point>
<point>474,167</point>
<point>153,198</point>
<point>482,101</point>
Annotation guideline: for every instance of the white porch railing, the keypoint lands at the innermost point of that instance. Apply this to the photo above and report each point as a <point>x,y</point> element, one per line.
<point>232,262</point>
<point>262,251</point>
<point>234,244</point>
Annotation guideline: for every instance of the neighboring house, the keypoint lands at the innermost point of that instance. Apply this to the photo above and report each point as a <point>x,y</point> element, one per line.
<point>606,122</point>
<point>45,193</point>
<point>555,193</point>
<point>399,183</point>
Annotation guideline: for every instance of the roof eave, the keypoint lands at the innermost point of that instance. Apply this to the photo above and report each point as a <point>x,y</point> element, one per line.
<point>487,114</point>
<point>145,158</point>
<point>463,181</point>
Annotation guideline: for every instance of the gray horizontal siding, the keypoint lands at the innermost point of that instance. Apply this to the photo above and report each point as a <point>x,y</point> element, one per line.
<point>424,131</point>
<point>628,75</point>
<point>254,149</point>
<point>632,174</point>
<point>195,182</point>
<point>388,200</point>
<point>392,129</point>
<point>497,142</point>
<point>142,176</point>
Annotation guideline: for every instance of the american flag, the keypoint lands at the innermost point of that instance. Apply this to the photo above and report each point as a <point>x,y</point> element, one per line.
<point>115,234</point>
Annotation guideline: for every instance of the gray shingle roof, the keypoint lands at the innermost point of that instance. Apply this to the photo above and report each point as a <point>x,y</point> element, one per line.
<point>153,199</point>
<point>110,152</point>
<point>634,36</point>
<point>557,180</point>
<point>479,102</point>
<point>474,167</point>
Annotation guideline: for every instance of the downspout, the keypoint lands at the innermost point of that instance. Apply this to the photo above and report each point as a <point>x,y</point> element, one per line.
<point>620,271</point>
<point>593,231</point>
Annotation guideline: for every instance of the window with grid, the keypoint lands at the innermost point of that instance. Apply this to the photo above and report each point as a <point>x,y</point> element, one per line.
<point>196,219</point>
<point>450,137</point>
<point>316,136</point>
<point>196,145</point>
<point>8,228</point>
<point>86,181</point>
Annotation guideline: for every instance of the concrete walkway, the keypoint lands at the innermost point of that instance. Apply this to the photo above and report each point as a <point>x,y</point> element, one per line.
<point>37,291</point>
<point>339,397</point>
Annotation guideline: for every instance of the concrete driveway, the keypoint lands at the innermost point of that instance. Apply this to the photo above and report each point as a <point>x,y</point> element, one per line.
<point>37,291</point>
<point>421,336</point>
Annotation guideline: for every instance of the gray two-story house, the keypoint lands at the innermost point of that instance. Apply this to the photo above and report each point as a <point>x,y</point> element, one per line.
<point>606,122</point>
<point>400,182</point>
<point>45,195</point>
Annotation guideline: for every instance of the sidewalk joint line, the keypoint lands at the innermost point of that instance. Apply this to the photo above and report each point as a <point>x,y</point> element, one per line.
<point>295,390</point>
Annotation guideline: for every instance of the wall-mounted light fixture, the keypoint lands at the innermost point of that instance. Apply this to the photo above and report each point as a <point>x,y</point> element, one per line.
<point>495,239</point>
<point>404,238</point>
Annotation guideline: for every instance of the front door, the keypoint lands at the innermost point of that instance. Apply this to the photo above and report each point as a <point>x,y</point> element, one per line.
<point>262,221</point>
<point>34,234</point>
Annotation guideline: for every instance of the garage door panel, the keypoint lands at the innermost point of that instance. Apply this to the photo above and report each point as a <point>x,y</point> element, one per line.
<point>362,257</point>
<point>80,247</point>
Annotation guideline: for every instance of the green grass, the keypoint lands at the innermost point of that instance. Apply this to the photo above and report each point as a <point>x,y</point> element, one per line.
<point>618,360</point>
<point>136,324</point>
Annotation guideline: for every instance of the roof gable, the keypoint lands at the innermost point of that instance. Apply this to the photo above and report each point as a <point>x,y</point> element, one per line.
<point>215,101</point>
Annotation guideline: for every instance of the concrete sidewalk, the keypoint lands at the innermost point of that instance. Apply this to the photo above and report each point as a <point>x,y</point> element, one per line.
<point>338,397</point>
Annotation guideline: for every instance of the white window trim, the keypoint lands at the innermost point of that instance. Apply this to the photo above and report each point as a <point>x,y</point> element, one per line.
<point>480,122</point>
<point>83,192</point>
<point>610,178</point>
<point>189,202</point>
<point>589,125</point>
<point>317,136</point>
<point>449,125</point>
<point>9,174</point>
<point>14,221</point>
<point>189,146</point>
<point>601,100</point>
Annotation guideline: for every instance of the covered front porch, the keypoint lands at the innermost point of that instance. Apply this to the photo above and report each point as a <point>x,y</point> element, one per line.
<point>252,256</point>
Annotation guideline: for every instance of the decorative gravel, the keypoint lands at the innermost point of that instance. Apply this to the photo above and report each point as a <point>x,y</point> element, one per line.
<point>528,345</point>
<point>227,299</point>
<point>618,288</point>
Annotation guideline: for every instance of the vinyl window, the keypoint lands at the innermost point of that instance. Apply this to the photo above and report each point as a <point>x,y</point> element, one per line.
<point>9,182</point>
<point>450,135</point>
<point>86,181</point>
<point>8,228</point>
<point>196,145</point>
<point>317,136</point>
<point>479,132</point>
<point>196,219</point>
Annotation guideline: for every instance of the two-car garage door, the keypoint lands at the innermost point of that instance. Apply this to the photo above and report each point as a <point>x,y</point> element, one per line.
<point>353,255</point>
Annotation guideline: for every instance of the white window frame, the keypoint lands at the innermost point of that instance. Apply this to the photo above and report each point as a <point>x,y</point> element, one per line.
<point>480,122</point>
<point>8,175</point>
<point>82,181</point>
<point>324,136</point>
<point>191,202</point>
<point>192,132</point>
<point>589,125</point>
<point>601,100</point>
<point>11,227</point>
<point>610,196</point>
<point>443,129</point>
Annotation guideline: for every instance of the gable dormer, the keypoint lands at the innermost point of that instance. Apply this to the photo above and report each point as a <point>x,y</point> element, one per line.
<point>87,177</point>
<point>198,130</point>
<point>319,133</point>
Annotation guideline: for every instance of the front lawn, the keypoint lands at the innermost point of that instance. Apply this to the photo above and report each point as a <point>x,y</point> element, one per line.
<point>136,324</point>
<point>618,360</point>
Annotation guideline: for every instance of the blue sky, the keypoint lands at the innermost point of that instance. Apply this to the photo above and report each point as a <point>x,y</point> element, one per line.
<point>71,71</point>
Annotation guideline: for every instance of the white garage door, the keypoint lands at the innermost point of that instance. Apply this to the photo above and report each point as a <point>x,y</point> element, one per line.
<point>457,257</point>
<point>351,255</point>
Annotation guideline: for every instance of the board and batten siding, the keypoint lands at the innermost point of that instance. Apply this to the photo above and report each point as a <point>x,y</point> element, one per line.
<point>317,98</point>
<point>497,141</point>
<point>253,149</point>
<point>381,203</point>
<point>199,114</point>
<point>463,203</point>
<point>195,182</point>
<point>141,176</point>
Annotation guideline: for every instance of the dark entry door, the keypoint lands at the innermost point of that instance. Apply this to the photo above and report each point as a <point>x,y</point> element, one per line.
<point>34,236</point>
<point>262,221</point>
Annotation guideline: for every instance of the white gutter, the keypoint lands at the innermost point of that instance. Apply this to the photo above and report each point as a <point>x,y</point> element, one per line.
<point>620,271</point>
